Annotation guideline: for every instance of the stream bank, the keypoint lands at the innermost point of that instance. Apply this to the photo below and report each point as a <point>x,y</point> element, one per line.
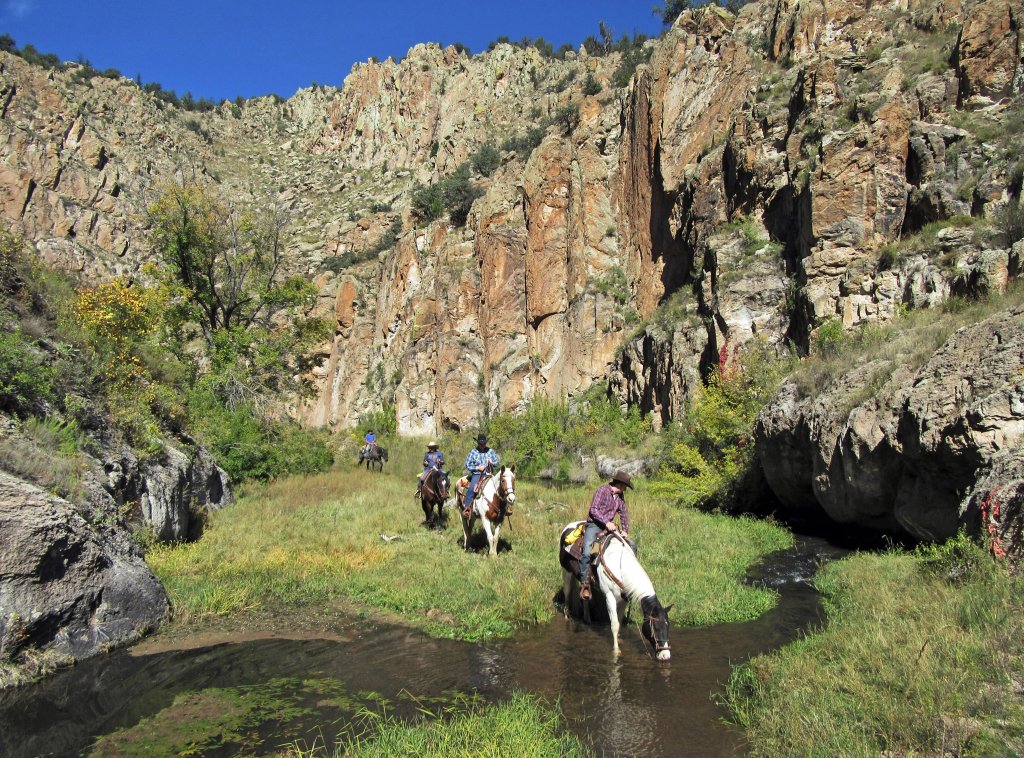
<point>630,706</point>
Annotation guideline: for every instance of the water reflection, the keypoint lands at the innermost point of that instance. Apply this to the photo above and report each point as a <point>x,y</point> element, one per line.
<point>632,705</point>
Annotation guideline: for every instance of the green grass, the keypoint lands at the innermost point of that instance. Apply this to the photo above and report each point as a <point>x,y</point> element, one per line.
<point>876,350</point>
<point>912,662</point>
<point>314,540</point>
<point>524,727</point>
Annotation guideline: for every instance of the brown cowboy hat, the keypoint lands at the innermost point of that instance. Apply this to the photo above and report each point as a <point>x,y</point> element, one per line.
<point>621,477</point>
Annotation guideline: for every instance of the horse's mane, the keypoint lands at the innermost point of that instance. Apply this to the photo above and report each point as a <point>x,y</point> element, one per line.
<point>623,563</point>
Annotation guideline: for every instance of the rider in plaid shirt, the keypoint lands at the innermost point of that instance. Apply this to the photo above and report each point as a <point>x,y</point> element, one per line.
<point>479,460</point>
<point>607,502</point>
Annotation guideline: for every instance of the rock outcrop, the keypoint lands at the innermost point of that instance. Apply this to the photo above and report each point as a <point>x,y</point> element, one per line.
<point>63,585</point>
<point>760,176</point>
<point>908,449</point>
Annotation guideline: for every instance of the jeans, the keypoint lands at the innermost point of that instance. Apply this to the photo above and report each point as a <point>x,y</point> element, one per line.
<point>471,492</point>
<point>589,535</point>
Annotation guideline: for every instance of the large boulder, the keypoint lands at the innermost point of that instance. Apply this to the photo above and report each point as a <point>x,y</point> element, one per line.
<point>64,585</point>
<point>904,448</point>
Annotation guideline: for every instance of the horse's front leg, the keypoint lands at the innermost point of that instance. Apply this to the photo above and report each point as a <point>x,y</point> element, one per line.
<point>492,537</point>
<point>613,613</point>
<point>467,528</point>
<point>494,540</point>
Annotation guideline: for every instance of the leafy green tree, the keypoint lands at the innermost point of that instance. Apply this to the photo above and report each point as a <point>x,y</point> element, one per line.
<point>227,262</point>
<point>711,447</point>
<point>486,159</point>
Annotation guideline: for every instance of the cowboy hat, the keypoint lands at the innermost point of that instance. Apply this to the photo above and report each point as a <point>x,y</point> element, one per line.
<point>432,443</point>
<point>481,439</point>
<point>622,478</point>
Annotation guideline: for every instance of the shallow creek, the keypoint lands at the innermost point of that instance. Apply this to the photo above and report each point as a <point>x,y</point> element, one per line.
<point>285,689</point>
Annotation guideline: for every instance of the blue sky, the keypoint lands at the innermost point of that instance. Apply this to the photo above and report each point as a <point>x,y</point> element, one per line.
<point>223,49</point>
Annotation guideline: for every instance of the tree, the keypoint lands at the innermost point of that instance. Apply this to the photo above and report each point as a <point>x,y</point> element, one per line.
<point>607,38</point>
<point>670,11</point>
<point>227,261</point>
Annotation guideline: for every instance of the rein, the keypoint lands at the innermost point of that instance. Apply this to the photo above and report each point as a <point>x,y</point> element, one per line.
<point>607,569</point>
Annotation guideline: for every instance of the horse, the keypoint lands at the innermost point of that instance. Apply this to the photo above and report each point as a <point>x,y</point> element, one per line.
<point>434,491</point>
<point>491,506</point>
<point>376,455</point>
<point>621,578</point>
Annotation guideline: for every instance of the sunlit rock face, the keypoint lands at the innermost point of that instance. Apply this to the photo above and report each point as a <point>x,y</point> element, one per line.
<point>742,184</point>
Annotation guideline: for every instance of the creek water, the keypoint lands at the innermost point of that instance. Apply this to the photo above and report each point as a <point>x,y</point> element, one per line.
<point>632,705</point>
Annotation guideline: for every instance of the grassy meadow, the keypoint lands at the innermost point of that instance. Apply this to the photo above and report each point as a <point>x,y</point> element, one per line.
<point>922,655</point>
<point>312,542</point>
<point>524,726</point>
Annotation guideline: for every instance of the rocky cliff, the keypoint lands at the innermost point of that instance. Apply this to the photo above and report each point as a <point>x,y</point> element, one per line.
<point>745,181</point>
<point>800,164</point>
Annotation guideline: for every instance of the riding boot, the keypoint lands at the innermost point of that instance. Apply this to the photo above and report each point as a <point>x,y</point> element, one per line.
<point>585,593</point>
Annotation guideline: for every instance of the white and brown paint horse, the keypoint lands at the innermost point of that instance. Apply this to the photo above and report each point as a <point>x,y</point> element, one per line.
<point>620,578</point>
<point>491,506</point>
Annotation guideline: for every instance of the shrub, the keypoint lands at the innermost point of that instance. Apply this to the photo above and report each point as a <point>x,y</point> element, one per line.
<point>25,376</point>
<point>454,193</point>
<point>591,86</point>
<point>568,116</point>
<point>249,445</point>
<point>1010,223</point>
<point>552,433</point>
<point>486,159</point>
<point>710,450</point>
<point>383,421</point>
<point>828,338</point>
<point>628,65</point>
<point>614,284</point>
<point>525,143</point>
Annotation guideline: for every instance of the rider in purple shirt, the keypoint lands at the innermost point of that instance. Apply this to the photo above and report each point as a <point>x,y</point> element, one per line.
<point>605,505</point>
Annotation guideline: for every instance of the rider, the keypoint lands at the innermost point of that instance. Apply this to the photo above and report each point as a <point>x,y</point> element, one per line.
<point>433,459</point>
<point>480,459</point>
<point>607,502</point>
<point>371,443</point>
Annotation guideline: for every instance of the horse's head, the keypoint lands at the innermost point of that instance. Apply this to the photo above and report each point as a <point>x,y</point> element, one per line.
<point>507,484</point>
<point>383,452</point>
<point>444,483</point>
<point>655,627</point>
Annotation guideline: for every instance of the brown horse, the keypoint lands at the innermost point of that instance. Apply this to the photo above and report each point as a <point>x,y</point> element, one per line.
<point>434,492</point>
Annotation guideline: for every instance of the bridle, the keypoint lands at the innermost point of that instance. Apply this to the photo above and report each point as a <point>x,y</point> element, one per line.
<point>659,645</point>
<point>506,495</point>
<point>435,482</point>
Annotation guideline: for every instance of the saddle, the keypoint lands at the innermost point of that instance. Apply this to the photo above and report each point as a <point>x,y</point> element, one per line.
<point>574,542</point>
<point>462,486</point>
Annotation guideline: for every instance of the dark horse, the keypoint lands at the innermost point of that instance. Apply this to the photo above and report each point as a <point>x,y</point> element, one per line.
<point>376,456</point>
<point>434,492</point>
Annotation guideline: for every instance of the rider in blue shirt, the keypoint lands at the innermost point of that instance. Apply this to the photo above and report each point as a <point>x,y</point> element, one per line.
<point>434,459</point>
<point>480,459</point>
<point>371,441</point>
